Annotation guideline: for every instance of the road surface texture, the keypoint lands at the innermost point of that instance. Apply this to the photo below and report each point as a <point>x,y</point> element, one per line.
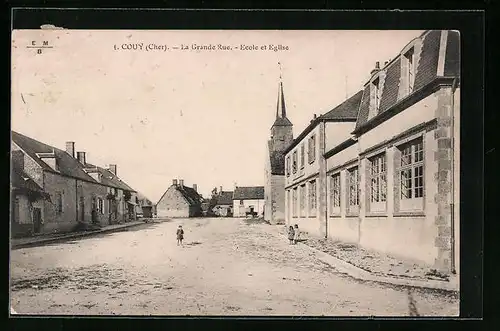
<point>226,267</point>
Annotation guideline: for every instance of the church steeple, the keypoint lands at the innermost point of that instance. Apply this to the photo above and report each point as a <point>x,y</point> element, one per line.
<point>281,119</point>
<point>281,131</point>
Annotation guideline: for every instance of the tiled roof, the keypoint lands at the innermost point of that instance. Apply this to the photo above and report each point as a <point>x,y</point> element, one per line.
<point>249,193</point>
<point>225,198</point>
<point>426,72</point>
<point>67,165</point>
<point>347,110</point>
<point>190,195</point>
<point>109,179</point>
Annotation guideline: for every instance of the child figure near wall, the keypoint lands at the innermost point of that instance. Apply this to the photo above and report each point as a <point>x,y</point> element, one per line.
<point>180,236</point>
<point>291,234</point>
<point>296,234</point>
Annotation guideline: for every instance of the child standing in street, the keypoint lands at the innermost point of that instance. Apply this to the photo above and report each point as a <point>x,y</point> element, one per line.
<point>296,234</point>
<point>291,234</point>
<point>180,235</point>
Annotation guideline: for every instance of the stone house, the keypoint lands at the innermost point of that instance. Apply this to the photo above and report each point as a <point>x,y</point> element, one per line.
<point>248,200</point>
<point>26,200</point>
<point>77,196</point>
<point>389,180</point>
<point>274,188</point>
<point>180,200</point>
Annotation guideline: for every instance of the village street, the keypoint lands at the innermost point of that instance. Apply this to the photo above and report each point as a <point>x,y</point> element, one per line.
<point>226,267</point>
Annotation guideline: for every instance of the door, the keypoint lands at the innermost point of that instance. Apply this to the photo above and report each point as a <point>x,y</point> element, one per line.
<point>37,220</point>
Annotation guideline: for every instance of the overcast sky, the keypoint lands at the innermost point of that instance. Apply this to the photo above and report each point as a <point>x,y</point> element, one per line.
<point>202,116</point>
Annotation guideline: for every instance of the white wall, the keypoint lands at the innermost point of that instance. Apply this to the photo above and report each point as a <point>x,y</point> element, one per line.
<point>336,133</point>
<point>239,210</point>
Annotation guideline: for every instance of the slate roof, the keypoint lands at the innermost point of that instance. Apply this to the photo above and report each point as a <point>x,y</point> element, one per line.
<point>426,72</point>
<point>190,195</point>
<point>249,193</point>
<point>108,178</point>
<point>67,165</point>
<point>347,110</point>
<point>452,62</point>
<point>282,121</point>
<point>225,198</point>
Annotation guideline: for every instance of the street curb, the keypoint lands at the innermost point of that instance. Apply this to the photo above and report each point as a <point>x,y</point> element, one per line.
<point>360,274</point>
<point>72,236</point>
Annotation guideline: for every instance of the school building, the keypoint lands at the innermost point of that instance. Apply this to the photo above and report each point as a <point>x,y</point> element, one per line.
<point>381,170</point>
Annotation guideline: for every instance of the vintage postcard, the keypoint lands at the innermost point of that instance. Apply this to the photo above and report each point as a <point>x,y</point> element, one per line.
<point>235,173</point>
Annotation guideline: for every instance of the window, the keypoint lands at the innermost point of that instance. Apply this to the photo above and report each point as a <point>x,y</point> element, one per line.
<point>302,156</point>
<point>294,162</point>
<point>288,166</point>
<point>241,202</point>
<point>410,69</point>
<point>335,191</point>
<point>312,148</point>
<point>59,202</point>
<point>378,179</point>
<point>294,202</point>
<point>376,94</point>
<point>303,200</point>
<point>412,170</point>
<point>312,198</point>
<point>100,206</point>
<point>353,188</point>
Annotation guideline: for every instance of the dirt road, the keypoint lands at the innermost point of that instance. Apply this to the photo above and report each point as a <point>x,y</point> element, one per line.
<point>226,267</point>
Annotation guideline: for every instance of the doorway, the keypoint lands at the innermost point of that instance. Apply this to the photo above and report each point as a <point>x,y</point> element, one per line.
<point>37,220</point>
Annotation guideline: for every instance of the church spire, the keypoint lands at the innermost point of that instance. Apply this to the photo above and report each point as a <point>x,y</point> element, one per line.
<point>281,118</point>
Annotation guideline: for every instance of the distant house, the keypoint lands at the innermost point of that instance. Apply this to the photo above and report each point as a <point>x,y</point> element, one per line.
<point>144,206</point>
<point>248,201</point>
<point>180,201</point>
<point>80,193</point>
<point>223,203</point>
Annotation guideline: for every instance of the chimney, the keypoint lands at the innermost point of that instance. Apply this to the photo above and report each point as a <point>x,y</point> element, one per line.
<point>18,159</point>
<point>195,187</point>
<point>377,68</point>
<point>70,148</point>
<point>181,182</point>
<point>112,168</point>
<point>220,191</point>
<point>174,182</point>
<point>81,157</point>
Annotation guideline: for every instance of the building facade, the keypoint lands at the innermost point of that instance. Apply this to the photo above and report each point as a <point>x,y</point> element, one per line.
<point>248,201</point>
<point>180,201</point>
<point>77,196</point>
<point>223,203</point>
<point>281,137</point>
<point>390,182</point>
